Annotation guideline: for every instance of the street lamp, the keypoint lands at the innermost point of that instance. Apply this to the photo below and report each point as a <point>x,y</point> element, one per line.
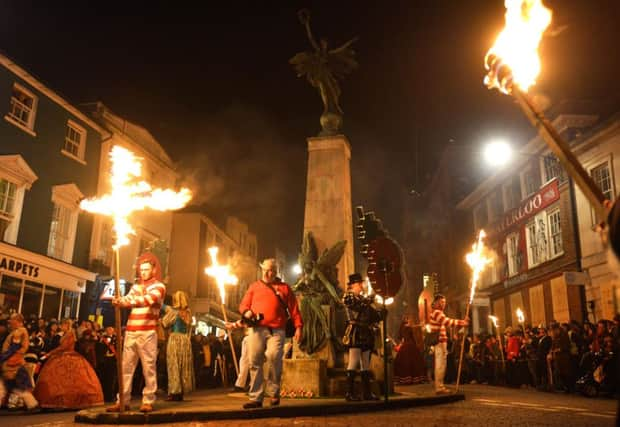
<point>497,153</point>
<point>296,269</point>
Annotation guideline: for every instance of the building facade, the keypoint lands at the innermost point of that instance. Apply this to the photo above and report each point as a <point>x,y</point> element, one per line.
<point>536,231</point>
<point>152,228</point>
<point>49,161</point>
<point>193,233</point>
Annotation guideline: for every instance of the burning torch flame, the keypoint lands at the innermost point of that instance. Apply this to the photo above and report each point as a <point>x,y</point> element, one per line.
<point>129,195</point>
<point>477,261</point>
<point>494,320</point>
<point>221,273</point>
<point>514,56</point>
<point>520,315</point>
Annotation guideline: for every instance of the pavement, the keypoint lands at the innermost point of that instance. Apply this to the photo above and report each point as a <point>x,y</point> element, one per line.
<point>210,405</point>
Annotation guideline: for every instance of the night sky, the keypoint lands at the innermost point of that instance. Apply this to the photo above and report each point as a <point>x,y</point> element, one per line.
<point>212,82</point>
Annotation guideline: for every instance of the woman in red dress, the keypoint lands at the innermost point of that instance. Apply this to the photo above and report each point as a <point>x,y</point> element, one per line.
<point>67,381</point>
<point>409,366</point>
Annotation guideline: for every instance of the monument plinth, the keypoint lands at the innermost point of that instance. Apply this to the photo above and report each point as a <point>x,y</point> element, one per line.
<point>328,213</point>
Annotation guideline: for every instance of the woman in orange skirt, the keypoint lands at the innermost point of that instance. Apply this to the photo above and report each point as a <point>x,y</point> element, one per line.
<point>67,381</point>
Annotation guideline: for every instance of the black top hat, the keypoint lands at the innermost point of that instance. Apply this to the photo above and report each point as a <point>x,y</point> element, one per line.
<point>354,278</point>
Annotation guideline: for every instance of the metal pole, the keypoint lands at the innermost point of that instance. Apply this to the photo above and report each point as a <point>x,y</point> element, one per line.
<point>458,375</point>
<point>562,150</point>
<point>117,325</point>
<point>230,341</point>
<point>386,386</point>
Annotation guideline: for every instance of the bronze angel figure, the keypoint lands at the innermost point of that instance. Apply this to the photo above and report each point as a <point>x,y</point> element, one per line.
<point>323,68</point>
<point>317,285</point>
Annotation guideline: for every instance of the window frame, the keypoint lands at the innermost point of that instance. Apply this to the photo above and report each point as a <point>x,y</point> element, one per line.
<point>28,127</point>
<point>514,255</point>
<point>81,147</point>
<point>65,197</point>
<point>608,163</point>
<point>551,252</point>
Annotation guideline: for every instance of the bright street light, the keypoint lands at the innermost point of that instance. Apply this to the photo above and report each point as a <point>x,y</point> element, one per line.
<point>497,153</point>
<point>296,269</point>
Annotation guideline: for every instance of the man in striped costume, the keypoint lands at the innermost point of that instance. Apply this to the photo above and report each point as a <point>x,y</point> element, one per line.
<point>438,322</point>
<point>145,299</point>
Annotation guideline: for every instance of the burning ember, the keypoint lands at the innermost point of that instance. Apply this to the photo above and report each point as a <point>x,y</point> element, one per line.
<point>477,260</point>
<point>221,273</point>
<point>129,195</point>
<point>513,59</point>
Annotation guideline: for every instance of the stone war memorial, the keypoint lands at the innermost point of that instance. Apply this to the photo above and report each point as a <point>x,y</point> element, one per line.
<point>326,257</point>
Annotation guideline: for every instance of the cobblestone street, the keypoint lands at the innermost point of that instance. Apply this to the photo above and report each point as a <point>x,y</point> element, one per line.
<point>484,406</point>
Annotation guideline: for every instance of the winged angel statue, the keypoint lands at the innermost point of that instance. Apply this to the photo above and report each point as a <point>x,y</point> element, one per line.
<point>317,285</point>
<point>323,68</point>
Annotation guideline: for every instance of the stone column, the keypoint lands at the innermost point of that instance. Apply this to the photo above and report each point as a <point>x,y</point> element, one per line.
<point>475,321</point>
<point>328,213</point>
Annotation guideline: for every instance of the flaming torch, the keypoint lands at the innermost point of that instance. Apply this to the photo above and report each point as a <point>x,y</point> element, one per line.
<point>512,67</point>
<point>520,318</point>
<point>129,194</point>
<point>477,261</point>
<point>499,339</point>
<point>223,277</point>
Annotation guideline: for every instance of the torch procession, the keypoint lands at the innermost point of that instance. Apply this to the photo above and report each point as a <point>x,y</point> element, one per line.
<point>499,340</point>
<point>129,194</point>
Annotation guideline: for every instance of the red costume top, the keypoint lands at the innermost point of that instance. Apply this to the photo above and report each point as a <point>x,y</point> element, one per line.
<point>439,321</point>
<point>260,299</point>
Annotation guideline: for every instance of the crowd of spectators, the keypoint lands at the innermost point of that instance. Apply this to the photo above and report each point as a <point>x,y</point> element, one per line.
<point>568,357</point>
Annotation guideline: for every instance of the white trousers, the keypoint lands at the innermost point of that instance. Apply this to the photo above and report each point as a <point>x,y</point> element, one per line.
<point>358,358</point>
<point>441,359</point>
<point>140,345</point>
<point>265,344</point>
<point>26,396</point>
<point>244,364</point>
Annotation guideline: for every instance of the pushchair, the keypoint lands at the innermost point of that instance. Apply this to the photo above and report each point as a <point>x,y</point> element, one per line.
<point>599,377</point>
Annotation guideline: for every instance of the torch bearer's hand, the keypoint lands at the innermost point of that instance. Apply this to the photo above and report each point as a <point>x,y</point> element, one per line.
<point>116,302</point>
<point>297,336</point>
<point>466,321</point>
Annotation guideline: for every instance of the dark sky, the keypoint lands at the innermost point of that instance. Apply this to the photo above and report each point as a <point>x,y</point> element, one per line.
<point>211,80</point>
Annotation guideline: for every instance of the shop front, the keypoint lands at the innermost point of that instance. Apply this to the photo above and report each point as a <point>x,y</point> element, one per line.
<point>39,286</point>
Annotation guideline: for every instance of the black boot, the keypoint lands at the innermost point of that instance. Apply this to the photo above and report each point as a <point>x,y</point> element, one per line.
<point>349,395</point>
<point>368,394</point>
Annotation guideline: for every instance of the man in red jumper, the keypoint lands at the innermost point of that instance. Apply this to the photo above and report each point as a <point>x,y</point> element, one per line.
<point>438,322</point>
<point>145,299</point>
<point>264,307</point>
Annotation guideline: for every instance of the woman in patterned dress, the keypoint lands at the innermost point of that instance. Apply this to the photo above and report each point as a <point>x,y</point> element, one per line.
<point>67,380</point>
<point>179,349</point>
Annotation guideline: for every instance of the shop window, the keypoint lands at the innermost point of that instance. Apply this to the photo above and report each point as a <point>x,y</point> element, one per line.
<point>69,305</point>
<point>10,293</point>
<point>51,302</point>
<point>31,302</point>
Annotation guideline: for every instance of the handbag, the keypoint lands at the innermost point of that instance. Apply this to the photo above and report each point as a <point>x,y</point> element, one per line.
<point>289,329</point>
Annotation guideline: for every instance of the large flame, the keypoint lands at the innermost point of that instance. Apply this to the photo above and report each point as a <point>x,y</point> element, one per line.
<point>516,47</point>
<point>130,194</point>
<point>477,261</point>
<point>221,273</point>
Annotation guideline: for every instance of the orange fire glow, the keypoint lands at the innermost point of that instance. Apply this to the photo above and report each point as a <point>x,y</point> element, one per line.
<point>129,194</point>
<point>516,47</point>
<point>477,261</point>
<point>221,273</point>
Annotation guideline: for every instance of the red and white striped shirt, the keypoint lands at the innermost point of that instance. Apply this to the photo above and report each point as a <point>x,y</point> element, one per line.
<point>145,301</point>
<point>439,322</point>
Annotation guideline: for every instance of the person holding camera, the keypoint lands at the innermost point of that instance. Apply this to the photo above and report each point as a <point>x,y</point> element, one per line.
<point>265,309</point>
<point>438,323</point>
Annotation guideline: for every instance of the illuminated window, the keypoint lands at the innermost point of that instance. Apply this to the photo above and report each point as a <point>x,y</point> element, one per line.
<point>8,192</point>
<point>512,250</point>
<point>75,141</point>
<point>59,232</point>
<point>22,109</point>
